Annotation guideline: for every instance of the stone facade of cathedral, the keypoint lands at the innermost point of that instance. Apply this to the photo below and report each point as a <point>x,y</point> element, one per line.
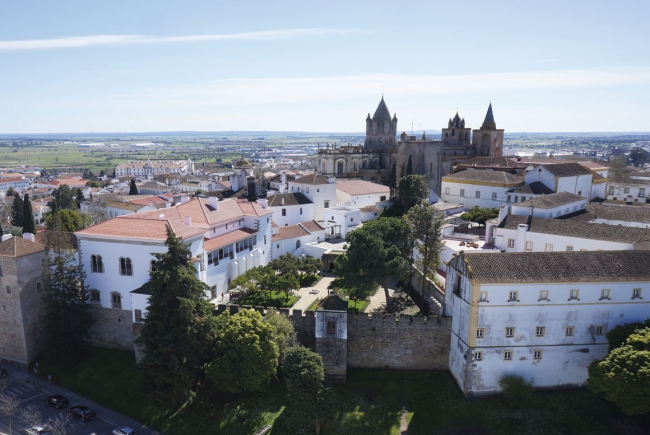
<point>432,158</point>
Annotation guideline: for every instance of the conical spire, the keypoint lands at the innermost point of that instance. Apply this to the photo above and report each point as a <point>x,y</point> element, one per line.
<point>489,123</point>
<point>382,112</point>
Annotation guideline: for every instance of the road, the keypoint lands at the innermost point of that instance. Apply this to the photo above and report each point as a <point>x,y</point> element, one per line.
<point>32,391</point>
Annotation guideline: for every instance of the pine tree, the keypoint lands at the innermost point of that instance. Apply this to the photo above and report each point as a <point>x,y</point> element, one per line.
<point>409,166</point>
<point>133,190</point>
<point>79,197</point>
<point>29,226</point>
<point>66,312</point>
<point>180,330</point>
<point>17,211</point>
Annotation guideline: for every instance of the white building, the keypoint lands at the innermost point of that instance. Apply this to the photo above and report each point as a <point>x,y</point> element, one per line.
<point>550,206</point>
<point>142,168</point>
<point>541,315</point>
<point>359,193</point>
<point>474,187</point>
<point>18,184</point>
<point>512,233</point>
<point>226,239</point>
<point>568,177</point>
<point>630,191</point>
<point>625,215</point>
<point>289,208</point>
<point>293,237</point>
<point>320,190</point>
<point>339,221</point>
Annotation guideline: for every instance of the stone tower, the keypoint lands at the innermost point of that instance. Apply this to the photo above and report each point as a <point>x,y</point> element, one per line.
<point>381,130</point>
<point>456,134</point>
<point>331,334</point>
<point>487,140</point>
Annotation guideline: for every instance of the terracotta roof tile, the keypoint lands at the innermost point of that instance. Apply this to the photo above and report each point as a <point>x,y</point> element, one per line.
<point>289,199</point>
<point>19,247</point>
<point>567,169</point>
<point>487,176</point>
<point>312,226</point>
<point>360,187</point>
<point>290,232</point>
<point>312,179</point>
<point>226,239</point>
<point>553,200</point>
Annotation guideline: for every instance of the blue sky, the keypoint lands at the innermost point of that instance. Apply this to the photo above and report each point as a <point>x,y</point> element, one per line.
<point>103,66</point>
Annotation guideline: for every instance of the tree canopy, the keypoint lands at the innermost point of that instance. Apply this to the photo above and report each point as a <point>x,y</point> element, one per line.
<point>624,375</point>
<point>17,210</point>
<point>72,220</point>
<point>638,156</point>
<point>426,224</point>
<point>63,198</point>
<point>305,376</point>
<point>246,354</point>
<point>409,166</point>
<point>480,215</point>
<point>179,330</point>
<point>412,190</point>
<point>376,251</point>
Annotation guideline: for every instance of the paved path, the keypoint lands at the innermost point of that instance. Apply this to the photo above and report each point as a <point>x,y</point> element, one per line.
<point>33,391</point>
<point>378,300</point>
<point>306,298</point>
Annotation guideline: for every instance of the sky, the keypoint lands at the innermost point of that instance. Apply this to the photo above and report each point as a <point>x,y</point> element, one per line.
<point>145,65</point>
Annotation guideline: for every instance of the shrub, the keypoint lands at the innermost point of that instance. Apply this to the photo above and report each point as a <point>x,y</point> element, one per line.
<point>518,391</point>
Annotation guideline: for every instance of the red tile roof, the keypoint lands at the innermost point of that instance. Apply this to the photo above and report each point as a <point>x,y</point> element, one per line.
<point>360,187</point>
<point>19,247</point>
<point>226,239</point>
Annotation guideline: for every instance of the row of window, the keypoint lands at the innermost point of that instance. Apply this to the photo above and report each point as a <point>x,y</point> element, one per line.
<point>540,331</point>
<point>507,355</point>
<point>125,265</point>
<point>477,194</point>
<point>548,247</point>
<point>574,294</point>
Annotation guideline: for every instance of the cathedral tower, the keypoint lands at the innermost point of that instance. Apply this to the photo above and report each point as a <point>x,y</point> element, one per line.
<point>381,130</point>
<point>488,140</point>
<point>456,134</point>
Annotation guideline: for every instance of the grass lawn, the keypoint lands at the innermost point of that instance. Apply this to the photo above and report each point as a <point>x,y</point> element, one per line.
<point>372,402</point>
<point>261,299</point>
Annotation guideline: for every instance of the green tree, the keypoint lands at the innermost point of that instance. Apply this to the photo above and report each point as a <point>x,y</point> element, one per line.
<point>17,210</point>
<point>624,375</point>
<point>133,189</point>
<point>66,313</point>
<point>618,170</point>
<point>412,189</point>
<point>304,374</point>
<point>286,284</point>
<point>72,220</point>
<point>79,197</point>
<point>426,224</point>
<point>619,335</point>
<point>93,183</point>
<point>638,156</point>
<point>285,264</point>
<point>10,192</point>
<point>29,226</point>
<point>376,251</point>
<point>254,280</point>
<point>246,353</point>
<point>392,180</point>
<point>480,215</point>
<point>409,166</point>
<point>284,332</point>
<point>63,198</point>
<point>180,331</point>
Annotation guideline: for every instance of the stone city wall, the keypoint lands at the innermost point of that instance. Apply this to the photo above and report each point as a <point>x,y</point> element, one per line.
<point>113,328</point>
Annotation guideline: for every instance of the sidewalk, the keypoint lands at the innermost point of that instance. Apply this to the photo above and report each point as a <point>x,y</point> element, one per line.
<point>306,298</point>
<point>105,414</point>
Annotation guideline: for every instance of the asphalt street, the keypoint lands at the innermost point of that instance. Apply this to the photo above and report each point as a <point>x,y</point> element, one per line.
<point>33,391</point>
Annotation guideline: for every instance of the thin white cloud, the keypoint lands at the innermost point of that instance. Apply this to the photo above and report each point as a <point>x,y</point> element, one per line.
<point>109,40</point>
<point>296,90</point>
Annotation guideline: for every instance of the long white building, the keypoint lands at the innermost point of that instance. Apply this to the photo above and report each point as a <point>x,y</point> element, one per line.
<point>541,315</point>
<point>142,168</point>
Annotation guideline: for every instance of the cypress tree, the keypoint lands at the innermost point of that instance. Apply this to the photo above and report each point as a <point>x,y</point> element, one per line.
<point>409,166</point>
<point>133,189</point>
<point>392,179</point>
<point>179,331</point>
<point>29,226</point>
<point>17,211</point>
<point>66,313</point>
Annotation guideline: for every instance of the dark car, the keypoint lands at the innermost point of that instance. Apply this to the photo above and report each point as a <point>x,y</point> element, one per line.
<point>3,373</point>
<point>83,413</point>
<point>58,401</point>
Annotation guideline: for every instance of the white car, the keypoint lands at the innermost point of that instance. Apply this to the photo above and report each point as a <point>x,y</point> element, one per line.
<point>314,291</point>
<point>124,431</point>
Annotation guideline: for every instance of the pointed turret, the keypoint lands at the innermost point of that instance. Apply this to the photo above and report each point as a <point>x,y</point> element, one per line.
<point>424,135</point>
<point>382,113</point>
<point>381,128</point>
<point>489,123</point>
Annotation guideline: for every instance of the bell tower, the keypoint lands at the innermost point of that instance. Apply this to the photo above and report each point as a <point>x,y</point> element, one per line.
<point>488,140</point>
<point>381,130</point>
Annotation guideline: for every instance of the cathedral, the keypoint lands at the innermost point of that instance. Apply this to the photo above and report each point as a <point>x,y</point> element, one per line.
<point>432,158</point>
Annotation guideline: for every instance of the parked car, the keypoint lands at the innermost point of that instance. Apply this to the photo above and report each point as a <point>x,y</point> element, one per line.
<point>124,431</point>
<point>38,430</point>
<point>3,373</point>
<point>83,413</point>
<point>58,401</point>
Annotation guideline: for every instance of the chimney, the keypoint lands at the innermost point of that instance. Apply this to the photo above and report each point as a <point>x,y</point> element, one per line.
<point>284,178</point>
<point>29,236</point>
<point>213,202</point>
<point>520,242</point>
<point>270,193</point>
<point>188,221</point>
<point>264,203</point>
<point>282,200</point>
<point>331,180</point>
<point>6,237</point>
<point>185,199</point>
<point>161,216</point>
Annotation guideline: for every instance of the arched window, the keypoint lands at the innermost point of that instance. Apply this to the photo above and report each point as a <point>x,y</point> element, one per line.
<point>297,244</point>
<point>152,266</point>
<point>96,264</point>
<point>355,167</point>
<point>126,267</point>
<point>364,164</point>
<point>339,167</point>
<point>220,254</point>
<point>446,135</point>
<point>453,132</point>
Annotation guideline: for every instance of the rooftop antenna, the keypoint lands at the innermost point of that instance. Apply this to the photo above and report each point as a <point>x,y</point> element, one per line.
<point>412,126</point>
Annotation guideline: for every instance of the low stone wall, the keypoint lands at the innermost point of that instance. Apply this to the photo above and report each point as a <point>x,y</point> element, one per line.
<point>411,343</point>
<point>113,328</point>
<point>434,296</point>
